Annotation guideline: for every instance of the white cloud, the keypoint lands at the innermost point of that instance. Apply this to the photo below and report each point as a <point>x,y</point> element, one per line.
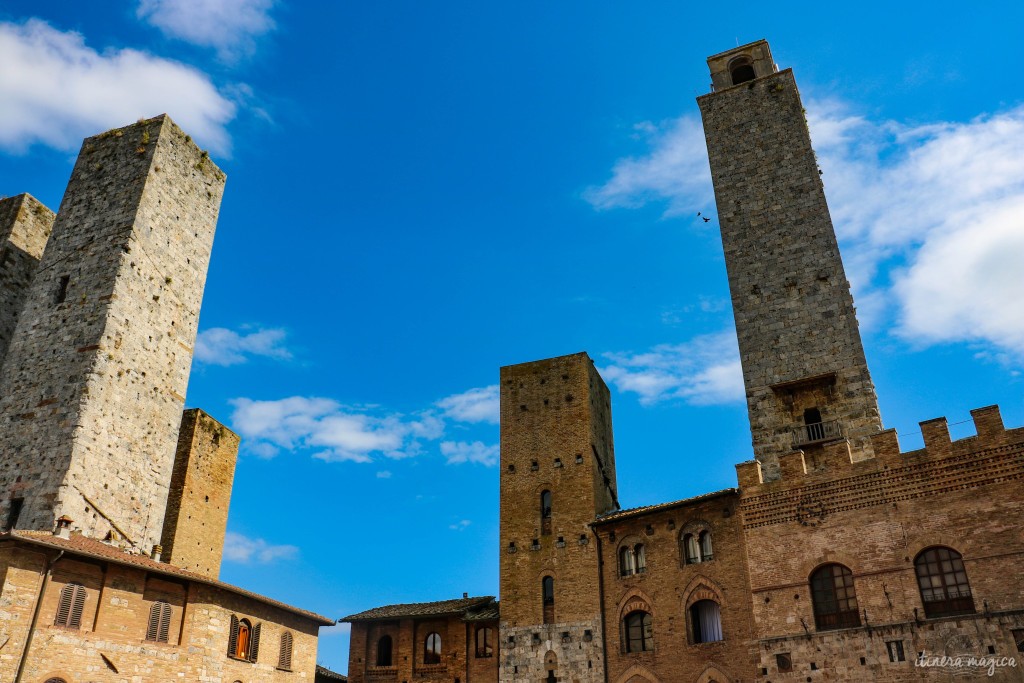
<point>475,405</point>
<point>456,452</point>
<point>245,550</point>
<point>221,346</point>
<point>55,90</point>
<point>384,474</point>
<point>332,431</point>
<point>929,217</point>
<point>461,525</point>
<point>229,26</point>
<point>703,371</point>
<point>676,170</point>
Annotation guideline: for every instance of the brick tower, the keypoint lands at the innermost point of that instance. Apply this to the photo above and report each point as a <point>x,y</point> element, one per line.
<point>806,377</point>
<point>93,384</point>
<point>557,475</point>
<point>25,225</point>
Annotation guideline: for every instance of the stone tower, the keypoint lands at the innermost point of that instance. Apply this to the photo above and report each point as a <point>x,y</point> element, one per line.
<point>93,384</point>
<point>557,475</point>
<point>25,225</point>
<point>806,377</point>
<point>200,494</point>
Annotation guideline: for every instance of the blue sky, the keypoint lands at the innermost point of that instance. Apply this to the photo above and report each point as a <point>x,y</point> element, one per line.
<point>419,193</point>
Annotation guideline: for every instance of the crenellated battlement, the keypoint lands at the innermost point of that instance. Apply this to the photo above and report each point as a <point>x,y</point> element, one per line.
<point>837,482</point>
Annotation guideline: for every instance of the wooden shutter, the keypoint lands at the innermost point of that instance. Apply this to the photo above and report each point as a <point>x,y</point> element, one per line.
<point>64,606</point>
<point>284,661</point>
<point>254,649</point>
<point>153,628</point>
<point>233,636</point>
<point>165,622</point>
<point>77,606</point>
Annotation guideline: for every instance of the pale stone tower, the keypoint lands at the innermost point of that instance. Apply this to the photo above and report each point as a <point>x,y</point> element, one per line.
<point>25,225</point>
<point>93,384</point>
<point>557,475</point>
<point>200,494</point>
<point>806,377</point>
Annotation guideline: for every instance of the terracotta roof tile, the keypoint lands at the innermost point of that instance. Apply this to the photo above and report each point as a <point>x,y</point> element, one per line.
<point>323,673</point>
<point>422,609</point>
<point>99,550</point>
<point>636,512</point>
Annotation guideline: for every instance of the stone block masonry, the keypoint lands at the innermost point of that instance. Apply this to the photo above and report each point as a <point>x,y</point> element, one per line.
<point>200,494</point>
<point>96,372</point>
<point>25,225</point>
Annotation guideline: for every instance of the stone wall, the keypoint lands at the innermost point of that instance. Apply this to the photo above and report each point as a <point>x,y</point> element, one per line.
<point>200,494</point>
<point>25,225</point>
<point>96,373</point>
<point>798,335</point>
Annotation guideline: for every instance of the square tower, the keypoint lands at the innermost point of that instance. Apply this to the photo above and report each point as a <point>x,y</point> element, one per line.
<point>804,368</point>
<point>94,381</point>
<point>557,476</point>
<point>25,225</point>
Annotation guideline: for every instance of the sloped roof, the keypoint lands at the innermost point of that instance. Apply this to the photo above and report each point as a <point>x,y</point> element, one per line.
<point>90,547</point>
<point>423,609</point>
<point>325,674</point>
<point>636,512</point>
<point>488,612</point>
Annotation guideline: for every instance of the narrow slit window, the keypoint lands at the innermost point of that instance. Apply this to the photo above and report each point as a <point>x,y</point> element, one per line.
<point>62,289</point>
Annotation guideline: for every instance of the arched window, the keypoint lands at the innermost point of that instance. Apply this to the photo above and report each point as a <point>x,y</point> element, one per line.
<point>55,680</point>
<point>547,585</point>
<point>159,622</point>
<point>432,649</point>
<point>384,651</point>
<point>943,582</point>
<point>545,512</point>
<point>639,632</point>
<point>284,657</point>
<point>70,606</point>
<point>834,597</point>
<point>706,621</point>
<point>639,558</point>
<point>244,639</point>
<point>484,640</point>
<point>741,70</point>
<point>626,567</point>
<point>691,548</point>
<point>704,539</point>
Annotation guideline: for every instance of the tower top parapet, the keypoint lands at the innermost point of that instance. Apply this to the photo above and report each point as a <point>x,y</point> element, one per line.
<point>741,64</point>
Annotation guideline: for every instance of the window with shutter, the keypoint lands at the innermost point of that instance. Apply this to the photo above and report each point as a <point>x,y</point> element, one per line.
<point>233,637</point>
<point>254,650</point>
<point>70,606</point>
<point>284,659</point>
<point>159,622</point>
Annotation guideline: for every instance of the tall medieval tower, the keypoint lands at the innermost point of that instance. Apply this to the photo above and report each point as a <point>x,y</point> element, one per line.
<point>557,475</point>
<point>93,383</point>
<point>804,369</point>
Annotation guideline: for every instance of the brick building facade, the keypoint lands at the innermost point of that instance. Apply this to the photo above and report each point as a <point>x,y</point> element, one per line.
<point>99,308</point>
<point>837,557</point>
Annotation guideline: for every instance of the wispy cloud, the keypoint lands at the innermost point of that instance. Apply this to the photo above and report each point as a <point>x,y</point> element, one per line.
<point>56,90</point>
<point>245,550</point>
<point>929,216</point>
<point>228,26</point>
<point>333,432</point>
<point>461,525</point>
<point>384,474</point>
<point>221,346</point>
<point>461,451</point>
<point>475,405</point>
<point>703,371</point>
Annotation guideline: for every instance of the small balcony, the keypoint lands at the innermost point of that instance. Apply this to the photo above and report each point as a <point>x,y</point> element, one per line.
<point>816,432</point>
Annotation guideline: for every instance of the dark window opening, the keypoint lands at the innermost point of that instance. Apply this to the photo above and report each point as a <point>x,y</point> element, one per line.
<point>895,648</point>
<point>834,597</point>
<point>784,662</point>
<point>13,512</point>
<point>706,621</point>
<point>943,582</point>
<point>484,648</point>
<point>548,599</point>
<point>639,632</point>
<point>741,71</point>
<point>432,649</point>
<point>812,420</point>
<point>1018,638</point>
<point>384,651</point>
<point>62,289</point>
<point>545,512</point>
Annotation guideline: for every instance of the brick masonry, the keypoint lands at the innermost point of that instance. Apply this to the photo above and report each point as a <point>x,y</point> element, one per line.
<point>109,322</point>
<point>25,225</point>
<point>200,494</point>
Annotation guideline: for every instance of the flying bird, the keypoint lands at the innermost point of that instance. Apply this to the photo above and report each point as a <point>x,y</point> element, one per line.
<point>706,219</point>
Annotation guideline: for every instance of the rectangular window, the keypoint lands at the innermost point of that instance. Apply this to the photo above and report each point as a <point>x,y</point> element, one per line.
<point>895,648</point>
<point>1018,638</point>
<point>784,661</point>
